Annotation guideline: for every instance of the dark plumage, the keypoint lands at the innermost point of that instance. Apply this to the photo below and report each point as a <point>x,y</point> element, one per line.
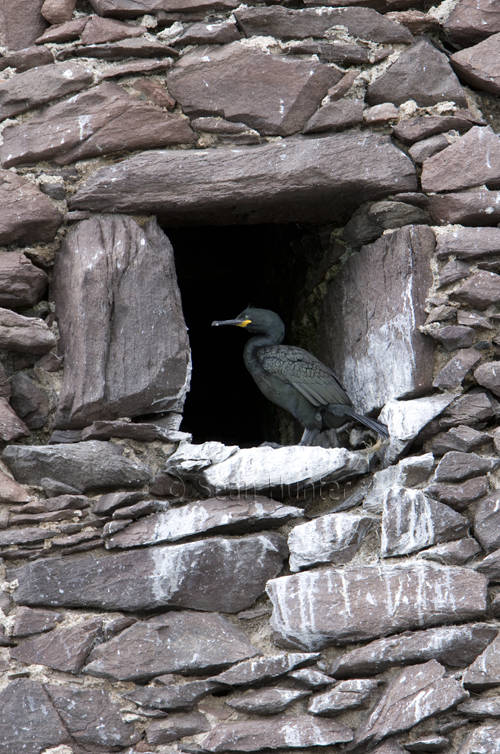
<point>295,379</point>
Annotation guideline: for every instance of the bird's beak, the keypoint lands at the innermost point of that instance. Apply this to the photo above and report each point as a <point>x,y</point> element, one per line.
<point>237,322</point>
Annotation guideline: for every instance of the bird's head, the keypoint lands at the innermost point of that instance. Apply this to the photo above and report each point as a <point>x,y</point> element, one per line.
<point>256,321</point>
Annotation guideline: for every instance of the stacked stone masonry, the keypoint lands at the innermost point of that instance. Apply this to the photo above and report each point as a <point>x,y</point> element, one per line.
<point>159,595</point>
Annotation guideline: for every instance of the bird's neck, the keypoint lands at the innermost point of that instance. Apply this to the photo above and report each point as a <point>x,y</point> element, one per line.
<point>252,347</point>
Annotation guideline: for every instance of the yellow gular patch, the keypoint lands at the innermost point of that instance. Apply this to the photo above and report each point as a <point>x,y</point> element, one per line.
<point>245,323</point>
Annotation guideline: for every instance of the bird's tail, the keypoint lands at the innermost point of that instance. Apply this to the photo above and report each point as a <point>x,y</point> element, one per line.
<point>334,412</point>
<point>377,427</point>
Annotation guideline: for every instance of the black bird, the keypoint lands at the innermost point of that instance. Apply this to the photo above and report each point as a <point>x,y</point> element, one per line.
<point>295,379</point>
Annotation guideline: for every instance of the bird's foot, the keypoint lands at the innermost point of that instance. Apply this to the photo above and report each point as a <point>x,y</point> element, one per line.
<point>372,449</point>
<point>270,445</point>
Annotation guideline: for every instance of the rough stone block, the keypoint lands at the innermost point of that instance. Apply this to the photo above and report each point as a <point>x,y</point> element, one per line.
<point>27,215</point>
<point>471,161</point>
<point>333,538</point>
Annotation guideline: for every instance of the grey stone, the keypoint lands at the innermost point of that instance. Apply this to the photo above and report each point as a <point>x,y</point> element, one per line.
<point>455,336</point>
<point>485,738</point>
<point>64,649</point>
<point>311,678</point>
<point>21,283</point>
<point>480,290</point>
<point>287,731</point>
<point>428,743</point>
<point>91,717</point>
<point>469,409</point>
<point>488,376</point>
<point>479,66</point>
<point>333,538</point>
<point>28,721</point>
<point>175,727</point>
<point>353,167</point>
<point>30,57</point>
<point>478,709</point>
<point>409,472</point>
<point>335,115</point>
<point>456,466</point>
<point>485,670</point>
<point>176,642</point>
<point>177,696</point>
<point>487,522</point>
<point>471,21</point>
<point>214,515</point>
<point>107,504</point>
<point>457,646</point>
<point>11,426</point>
<point>29,400</point>
<point>26,536</point>
<point>274,94</point>
<point>381,355</point>
<point>220,33</point>
<point>420,151</point>
<point>351,694</point>
<point>104,269</point>
<point>30,621</point>
<point>464,439</point>
<point>471,161</point>
<point>140,431</point>
<point>25,334</point>
<point>471,208</point>
<point>285,23</point>
<point>84,466</point>
<point>261,669</point>
<point>403,80</point>
<point>139,510</point>
<point>369,222</point>
<point>453,271</point>
<point>317,608</point>
<point>457,368</point>
<point>268,701</point>
<point>490,566</point>
<point>27,215</point>
<point>91,124</point>
<point>473,319</point>
<point>211,574</point>
<point>400,707</point>
<point>37,86</point>
<point>468,243</point>
<point>412,521</point>
<point>452,553</point>
<point>414,129</point>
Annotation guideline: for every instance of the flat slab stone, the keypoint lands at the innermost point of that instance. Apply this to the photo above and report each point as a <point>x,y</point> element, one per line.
<point>333,538</point>
<point>211,574</point>
<point>471,21</point>
<point>127,48</point>
<point>37,86</point>
<point>104,269</point>
<point>28,621</point>
<point>106,113</point>
<point>268,701</point>
<point>176,642</point>
<point>471,208</point>
<point>134,8</point>
<point>457,368</point>
<point>84,466</point>
<point>27,215</point>
<point>274,94</point>
<point>401,707</point>
<point>414,129</point>
<point>319,608</point>
<point>345,695</point>
<point>456,466</point>
<point>471,161</point>
<point>485,670</point>
<point>485,737</point>
<point>480,290</point>
<point>335,116</point>
<point>412,521</point>
<point>28,720</point>
<point>477,709</point>
<point>285,23</point>
<point>214,515</point>
<point>21,283</point>
<point>175,696</point>
<point>457,646</point>
<point>175,727</point>
<point>479,66</point>
<point>65,649</point>
<point>380,355</point>
<point>262,669</point>
<point>453,553</point>
<point>487,522</point>
<point>468,243</point>
<point>280,732</point>
<point>403,80</point>
<point>253,184</point>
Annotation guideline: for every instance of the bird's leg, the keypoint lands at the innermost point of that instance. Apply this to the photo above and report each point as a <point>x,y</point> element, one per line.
<point>308,436</point>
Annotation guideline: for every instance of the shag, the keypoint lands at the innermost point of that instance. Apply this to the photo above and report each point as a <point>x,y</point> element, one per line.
<point>295,379</point>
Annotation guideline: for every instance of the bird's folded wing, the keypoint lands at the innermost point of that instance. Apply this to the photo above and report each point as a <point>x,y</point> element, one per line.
<point>313,379</point>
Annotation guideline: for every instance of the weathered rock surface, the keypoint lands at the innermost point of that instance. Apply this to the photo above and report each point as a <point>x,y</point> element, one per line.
<point>30,621</point>
<point>285,23</point>
<point>412,521</point>
<point>274,94</point>
<point>457,369</point>
<point>177,696</point>
<point>490,566</point>
<point>29,400</point>
<point>414,129</point>
<point>250,185</point>
<point>11,426</point>
<point>456,466</point>
<point>333,538</point>
<point>477,709</point>
<point>20,24</point>
<point>28,721</point>
<point>472,208</point>
<point>487,522</point>
<point>369,221</point>
<point>212,574</point>
<point>380,356</point>
<point>409,472</point>
<point>65,649</point>
<point>484,738</point>
<point>480,290</point>
<point>84,466</point>
<point>25,334</point>
<point>268,701</point>
<point>221,33</point>
<point>28,535</point>
<point>27,215</point>
<point>213,515</point>
<point>485,670</point>
<point>172,643</point>
<point>468,243</point>
<point>177,726</point>
<point>21,283</point>
<point>335,115</point>
<point>471,21</point>
<point>471,161</point>
<point>92,124</point>
<point>11,491</point>
<point>453,553</point>
<point>317,608</point>
<point>98,30</point>
<point>479,66</point>
<point>128,359</point>
<point>288,731</point>
<point>311,678</point>
<point>422,150</point>
<point>402,706</point>
<point>455,336</point>
<point>39,85</point>
<point>350,694</point>
<point>262,669</point>
<point>469,409</point>
<point>454,270</point>
<point>457,646</point>
<point>403,80</point>
<point>91,717</point>
<point>405,419</point>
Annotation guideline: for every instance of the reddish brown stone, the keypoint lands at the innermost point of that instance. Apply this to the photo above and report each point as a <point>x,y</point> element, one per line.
<point>468,243</point>
<point>488,375</point>
<point>279,732</point>
<point>134,8</point>
<point>335,115</point>
<point>337,91</point>
<point>11,426</point>
<point>471,161</point>
<point>341,54</point>
<point>464,439</point>
<point>155,93</point>
<point>25,334</point>
<point>456,466</point>
<point>405,79</point>
<point>21,283</point>
<point>29,621</point>
<point>64,32</point>
<point>472,20</point>
<point>20,23</point>
<point>414,20</point>
<point>221,33</point>
<point>175,727</point>
<point>128,48</point>
<point>136,66</point>
<point>473,407</point>
<point>422,150</point>
<point>271,93</point>
<point>457,368</point>
<point>480,290</point>
<point>415,129</point>
<point>98,30</point>
<point>58,11</point>
<point>455,336</point>
<point>27,215</point>
<point>105,119</point>
<point>11,491</point>
<point>469,208</point>
<point>26,59</point>
<point>39,85</point>
<point>453,271</point>
<point>381,113</point>
<point>479,66</point>
<point>64,649</point>
<point>28,721</point>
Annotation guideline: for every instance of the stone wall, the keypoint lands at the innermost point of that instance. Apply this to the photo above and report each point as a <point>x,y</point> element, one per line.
<point>159,595</point>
